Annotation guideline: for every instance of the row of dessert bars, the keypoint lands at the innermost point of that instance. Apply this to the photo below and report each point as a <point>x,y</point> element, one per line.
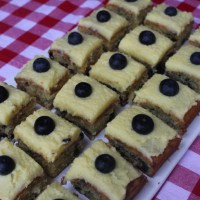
<point>111,60</point>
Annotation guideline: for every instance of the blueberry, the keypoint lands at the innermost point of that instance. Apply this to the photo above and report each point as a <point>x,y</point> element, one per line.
<point>83,89</point>
<point>117,61</point>
<point>7,165</point>
<point>41,65</point>
<point>169,87</point>
<point>195,58</point>
<point>44,125</point>
<point>171,11</point>
<point>75,38</point>
<point>3,94</point>
<point>103,16</point>
<point>147,37</point>
<point>130,0</point>
<point>105,163</point>
<point>58,199</point>
<point>142,124</point>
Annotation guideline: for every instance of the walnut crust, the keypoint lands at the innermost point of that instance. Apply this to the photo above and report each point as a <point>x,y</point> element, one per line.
<point>179,39</point>
<point>194,43</point>
<point>65,60</point>
<point>90,129</point>
<point>139,160</point>
<point>93,194</point>
<point>179,124</point>
<point>33,189</point>
<point>186,79</point>
<point>43,97</point>
<point>62,161</point>
<point>107,45</point>
<point>19,116</point>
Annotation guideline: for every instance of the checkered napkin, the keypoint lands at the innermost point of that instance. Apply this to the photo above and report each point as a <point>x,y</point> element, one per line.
<point>28,27</point>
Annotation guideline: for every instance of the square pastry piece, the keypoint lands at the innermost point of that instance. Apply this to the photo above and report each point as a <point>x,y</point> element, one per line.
<point>121,73</point>
<point>135,133</point>
<point>21,178</point>
<point>87,103</point>
<point>102,173</point>
<point>106,25</point>
<point>195,38</point>
<point>15,106</point>
<point>133,11</point>
<point>76,51</point>
<point>42,78</point>
<point>184,66</point>
<point>170,21</point>
<point>171,101</point>
<point>50,140</point>
<point>56,192</point>
<point>147,46</point>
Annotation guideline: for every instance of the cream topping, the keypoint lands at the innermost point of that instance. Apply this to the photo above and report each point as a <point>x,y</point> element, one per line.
<point>12,184</point>
<point>112,184</point>
<point>149,54</point>
<point>177,105</point>
<point>52,145</point>
<point>89,108</point>
<point>195,37</point>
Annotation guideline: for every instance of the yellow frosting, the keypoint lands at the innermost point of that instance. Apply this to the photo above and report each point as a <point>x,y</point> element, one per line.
<point>16,100</point>
<point>177,105</point>
<point>80,53</point>
<point>175,24</point>
<point>121,129</point>
<point>25,172</point>
<point>134,7</point>
<point>180,62</point>
<point>112,184</point>
<point>118,79</point>
<point>50,145</point>
<point>46,80</point>
<point>89,108</point>
<point>56,191</point>
<point>149,54</point>
<point>195,37</point>
<point>107,29</point>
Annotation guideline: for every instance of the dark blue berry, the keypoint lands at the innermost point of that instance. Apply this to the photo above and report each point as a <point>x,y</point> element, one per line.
<point>142,124</point>
<point>75,38</point>
<point>117,61</point>
<point>105,163</point>
<point>83,89</point>
<point>41,65</point>
<point>44,125</point>
<point>7,165</point>
<point>171,11</point>
<point>58,199</point>
<point>195,58</point>
<point>169,87</point>
<point>3,94</point>
<point>147,38</point>
<point>130,0</point>
<point>103,16</point>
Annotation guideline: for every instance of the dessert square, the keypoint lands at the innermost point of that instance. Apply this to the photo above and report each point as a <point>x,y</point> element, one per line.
<point>147,46</point>
<point>21,178</point>
<point>42,78</point>
<point>76,51</point>
<point>170,100</point>
<point>106,25</point>
<point>52,141</point>
<point>184,66</point>
<point>87,103</point>
<point>104,170</point>
<point>170,21</point>
<point>135,133</point>
<point>195,38</point>
<point>121,73</point>
<point>15,106</point>
<point>56,191</point>
<point>133,11</point>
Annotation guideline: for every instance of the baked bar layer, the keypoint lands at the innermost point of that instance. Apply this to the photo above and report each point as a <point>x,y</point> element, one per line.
<point>195,38</point>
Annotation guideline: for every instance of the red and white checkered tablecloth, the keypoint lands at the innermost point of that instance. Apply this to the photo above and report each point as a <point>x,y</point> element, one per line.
<point>28,27</point>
